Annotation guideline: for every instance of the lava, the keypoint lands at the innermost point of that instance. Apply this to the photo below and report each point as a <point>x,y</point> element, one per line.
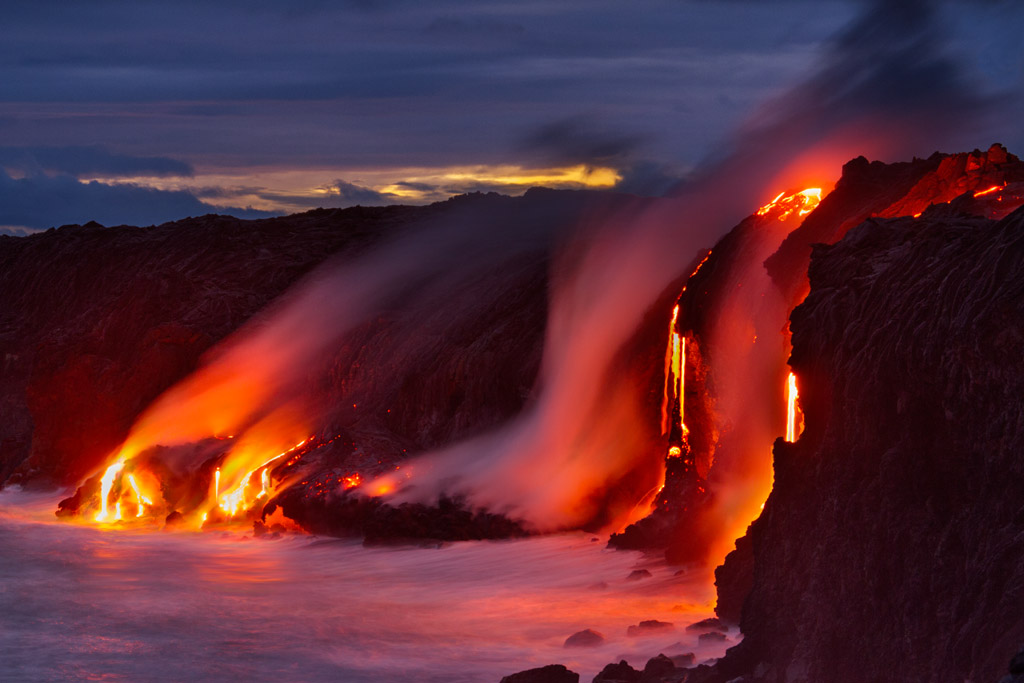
<point>237,500</point>
<point>799,203</point>
<point>106,484</point>
<point>791,396</point>
<point>140,499</point>
<point>994,188</point>
<point>670,365</point>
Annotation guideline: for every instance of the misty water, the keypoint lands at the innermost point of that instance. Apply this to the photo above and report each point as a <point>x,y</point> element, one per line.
<point>82,603</point>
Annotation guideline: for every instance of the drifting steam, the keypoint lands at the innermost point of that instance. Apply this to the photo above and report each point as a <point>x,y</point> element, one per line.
<point>582,452</point>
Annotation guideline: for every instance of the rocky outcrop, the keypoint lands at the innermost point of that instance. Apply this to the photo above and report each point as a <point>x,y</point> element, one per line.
<point>97,322</point>
<point>553,673</point>
<point>890,548</point>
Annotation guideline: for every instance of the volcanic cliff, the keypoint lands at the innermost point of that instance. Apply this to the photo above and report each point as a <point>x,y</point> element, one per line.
<point>890,548</point>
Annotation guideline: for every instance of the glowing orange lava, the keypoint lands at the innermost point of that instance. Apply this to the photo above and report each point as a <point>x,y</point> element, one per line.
<point>675,361</point>
<point>106,484</point>
<point>236,499</point>
<point>140,499</point>
<point>791,396</point>
<point>670,364</point>
<point>352,481</point>
<point>994,188</point>
<point>800,203</point>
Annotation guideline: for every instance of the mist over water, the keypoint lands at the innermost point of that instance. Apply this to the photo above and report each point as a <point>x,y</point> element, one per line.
<point>81,603</point>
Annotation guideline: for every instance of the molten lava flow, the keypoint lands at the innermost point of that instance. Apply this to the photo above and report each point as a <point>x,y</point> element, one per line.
<point>994,188</point>
<point>106,484</point>
<point>140,499</point>
<point>351,481</point>
<point>670,364</point>
<point>236,499</point>
<point>675,361</point>
<point>675,373</point>
<point>791,396</point>
<point>681,375</point>
<point>800,203</point>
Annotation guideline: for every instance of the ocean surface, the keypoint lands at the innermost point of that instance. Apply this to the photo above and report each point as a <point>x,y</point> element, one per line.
<point>78,603</point>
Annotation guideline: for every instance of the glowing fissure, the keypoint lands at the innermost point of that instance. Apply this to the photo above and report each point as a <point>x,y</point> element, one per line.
<point>791,396</point>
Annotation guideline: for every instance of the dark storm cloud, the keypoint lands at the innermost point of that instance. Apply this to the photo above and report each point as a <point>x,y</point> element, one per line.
<point>83,161</point>
<point>576,140</point>
<point>649,178</point>
<point>398,83</point>
<point>43,201</point>
<point>417,187</point>
<point>339,194</point>
<point>347,194</point>
<point>891,75</point>
<point>579,140</point>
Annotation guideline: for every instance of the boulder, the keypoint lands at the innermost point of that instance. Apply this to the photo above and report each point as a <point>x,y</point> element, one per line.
<point>650,627</point>
<point>585,638</point>
<point>618,673</point>
<point>553,673</point>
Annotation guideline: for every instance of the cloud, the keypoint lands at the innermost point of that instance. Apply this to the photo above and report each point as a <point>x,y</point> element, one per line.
<point>84,161</point>
<point>650,178</point>
<point>339,194</point>
<point>577,140</point>
<point>17,230</point>
<point>42,201</point>
<point>350,193</point>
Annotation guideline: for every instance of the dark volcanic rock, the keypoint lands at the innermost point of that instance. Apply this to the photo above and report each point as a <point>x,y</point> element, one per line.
<point>733,579</point>
<point>649,627</point>
<point>1016,674</point>
<point>553,673</point>
<point>707,625</point>
<point>352,514</point>
<point>638,574</point>
<point>712,638</point>
<point>685,660</point>
<point>658,669</point>
<point>1017,663</point>
<point>618,673</point>
<point>585,638</point>
<point>891,546</point>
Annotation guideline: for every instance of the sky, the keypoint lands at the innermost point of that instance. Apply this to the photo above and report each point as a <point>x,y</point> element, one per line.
<point>142,112</point>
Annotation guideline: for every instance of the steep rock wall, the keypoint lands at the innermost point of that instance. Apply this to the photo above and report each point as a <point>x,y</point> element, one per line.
<point>891,547</point>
